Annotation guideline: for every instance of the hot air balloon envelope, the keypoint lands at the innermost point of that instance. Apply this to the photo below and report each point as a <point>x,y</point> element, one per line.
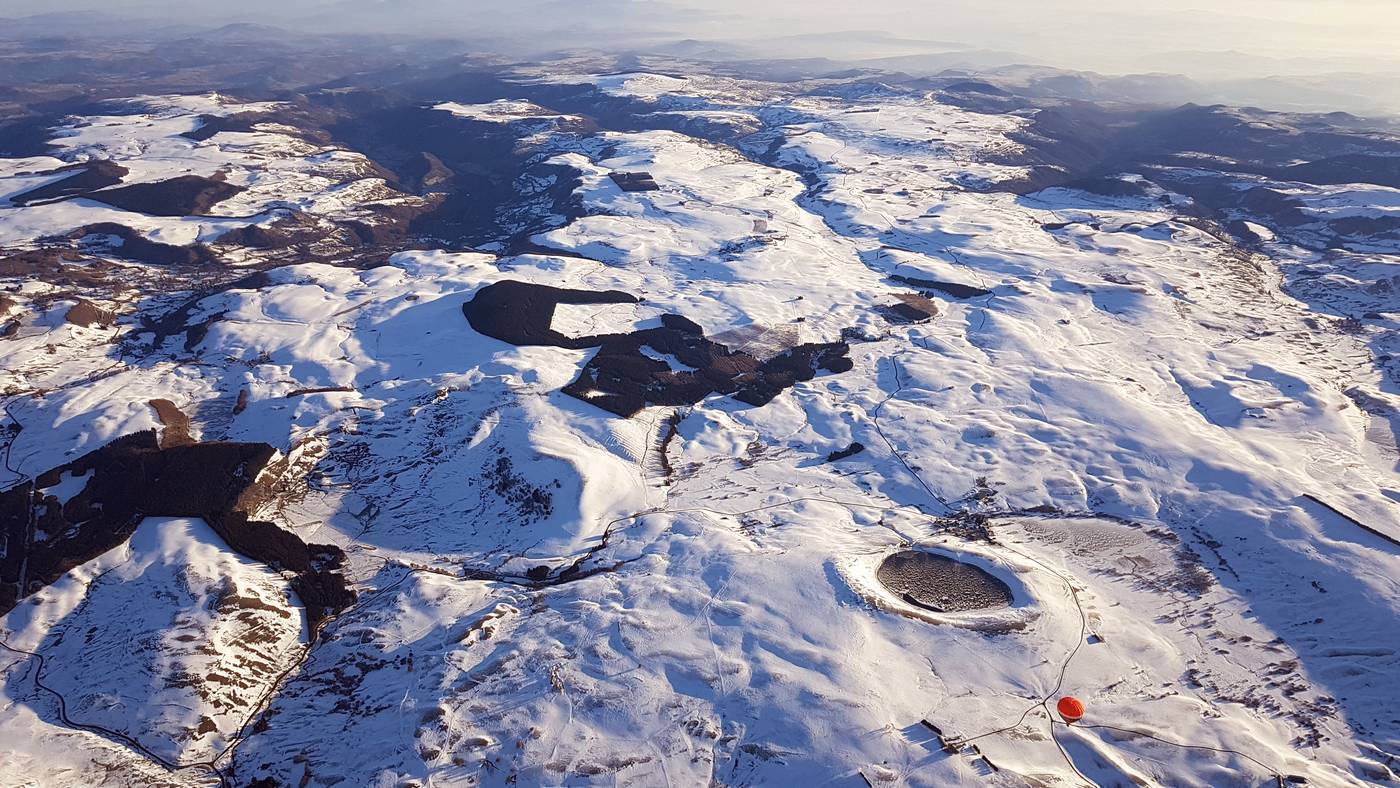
<point>1071,708</point>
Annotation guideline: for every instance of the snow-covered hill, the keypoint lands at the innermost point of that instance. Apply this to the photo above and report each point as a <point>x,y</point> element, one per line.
<point>1173,442</point>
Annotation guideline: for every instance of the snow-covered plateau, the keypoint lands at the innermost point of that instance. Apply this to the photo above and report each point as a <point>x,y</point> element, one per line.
<point>609,422</point>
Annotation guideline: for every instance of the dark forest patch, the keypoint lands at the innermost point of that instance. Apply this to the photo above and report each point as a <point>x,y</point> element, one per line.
<point>1380,169</point>
<point>85,178</point>
<point>119,240</point>
<point>28,136</point>
<point>494,189</point>
<point>522,313</point>
<point>850,451</point>
<point>209,125</point>
<point>1083,146</point>
<point>528,502</point>
<point>133,478</point>
<point>254,236</point>
<point>177,320</point>
<point>953,289</point>
<point>187,195</point>
<point>634,181</point>
<point>621,378</point>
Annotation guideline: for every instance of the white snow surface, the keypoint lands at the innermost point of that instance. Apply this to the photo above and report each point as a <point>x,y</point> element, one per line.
<point>502,111</point>
<point>170,639</point>
<point>277,169</point>
<point>1145,417</point>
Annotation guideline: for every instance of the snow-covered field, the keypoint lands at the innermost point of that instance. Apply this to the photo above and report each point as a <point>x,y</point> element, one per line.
<point>169,640</point>
<point>1135,426</point>
<point>276,171</point>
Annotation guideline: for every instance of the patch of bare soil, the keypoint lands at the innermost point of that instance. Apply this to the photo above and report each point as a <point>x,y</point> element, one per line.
<point>9,326</point>
<point>177,424</point>
<point>86,313</point>
<point>910,309</point>
<point>62,267</point>
<point>941,584</point>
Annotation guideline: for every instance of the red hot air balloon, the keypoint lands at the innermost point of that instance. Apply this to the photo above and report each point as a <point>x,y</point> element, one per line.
<point>1071,708</point>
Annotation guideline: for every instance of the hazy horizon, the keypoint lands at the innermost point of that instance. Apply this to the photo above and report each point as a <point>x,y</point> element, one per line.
<point>1055,30</point>
<point>1331,53</point>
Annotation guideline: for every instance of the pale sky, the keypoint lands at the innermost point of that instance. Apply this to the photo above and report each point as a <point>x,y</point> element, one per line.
<point>1109,35</point>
